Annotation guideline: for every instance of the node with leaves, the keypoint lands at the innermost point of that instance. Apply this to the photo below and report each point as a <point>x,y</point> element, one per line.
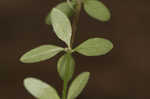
<point>59,19</point>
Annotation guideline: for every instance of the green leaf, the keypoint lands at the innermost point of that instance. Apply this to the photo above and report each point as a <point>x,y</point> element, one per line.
<point>96,9</point>
<point>48,19</point>
<point>65,67</point>
<point>61,25</point>
<point>41,53</point>
<point>94,47</point>
<point>78,85</point>
<point>89,0</point>
<point>65,8</point>
<point>40,89</point>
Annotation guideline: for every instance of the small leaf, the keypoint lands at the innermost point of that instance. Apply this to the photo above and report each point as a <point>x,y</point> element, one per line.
<point>78,85</point>
<point>65,67</point>
<point>41,53</point>
<point>97,10</point>
<point>61,25</point>
<point>40,89</point>
<point>94,47</point>
<point>65,8</point>
<point>48,19</point>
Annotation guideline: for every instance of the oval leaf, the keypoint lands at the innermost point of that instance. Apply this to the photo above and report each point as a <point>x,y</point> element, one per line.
<point>94,47</point>
<point>41,53</point>
<point>65,67</point>
<point>61,25</point>
<point>40,89</point>
<point>65,8</point>
<point>97,10</point>
<point>78,85</point>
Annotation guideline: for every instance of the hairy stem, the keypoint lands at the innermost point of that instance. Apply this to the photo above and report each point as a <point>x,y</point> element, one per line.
<point>75,20</point>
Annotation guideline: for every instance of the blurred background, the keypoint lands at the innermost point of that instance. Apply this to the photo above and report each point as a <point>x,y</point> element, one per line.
<point>122,74</point>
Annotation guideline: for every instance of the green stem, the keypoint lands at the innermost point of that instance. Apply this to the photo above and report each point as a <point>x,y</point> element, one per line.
<point>75,20</point>
<point>64,90</point>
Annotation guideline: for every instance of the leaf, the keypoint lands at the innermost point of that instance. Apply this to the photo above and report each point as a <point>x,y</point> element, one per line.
<point>82,0</point>
<point>88,0</point>
<point>96,9</point>
<point>65,67</point>
<point>40,89</point>
<point>65,8</point>
<point>78,85</point>
<point>41,53</point>
<point>94,47</point>
<point>48,19</point>
<point>61,25</point>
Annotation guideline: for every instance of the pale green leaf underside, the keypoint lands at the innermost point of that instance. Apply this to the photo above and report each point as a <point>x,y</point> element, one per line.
<point>65,67</point>
<point>78,85</point>
<point>40,89</point>
<point>96,9</point>
<point>94,47</point>
<point>41,53</point>
<point>65,8</point>
<point>61,25</point>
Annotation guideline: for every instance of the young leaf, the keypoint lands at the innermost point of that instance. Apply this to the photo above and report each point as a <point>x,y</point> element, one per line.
<point>40,89</point>
<point>61,25</point>
<point>94,47</point>
<point>65,67</point>
<point>96,9</point>
<point>48,19</point>
<point>78,85</point>
<point>41,53</point>
<point>65,8</point>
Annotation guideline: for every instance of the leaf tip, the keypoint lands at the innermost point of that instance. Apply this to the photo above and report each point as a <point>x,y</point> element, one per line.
<point>111,46</point>
<point>26,81</point>
<point>87,73</point>
<point>107,18</point>
<point>22,59</point>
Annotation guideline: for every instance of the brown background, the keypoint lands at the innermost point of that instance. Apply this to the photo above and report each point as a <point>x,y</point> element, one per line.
<point>122,74</point>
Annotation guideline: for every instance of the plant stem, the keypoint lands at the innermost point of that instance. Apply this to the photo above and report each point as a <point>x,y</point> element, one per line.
<point>64,90</point>
<point>75,20</point>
